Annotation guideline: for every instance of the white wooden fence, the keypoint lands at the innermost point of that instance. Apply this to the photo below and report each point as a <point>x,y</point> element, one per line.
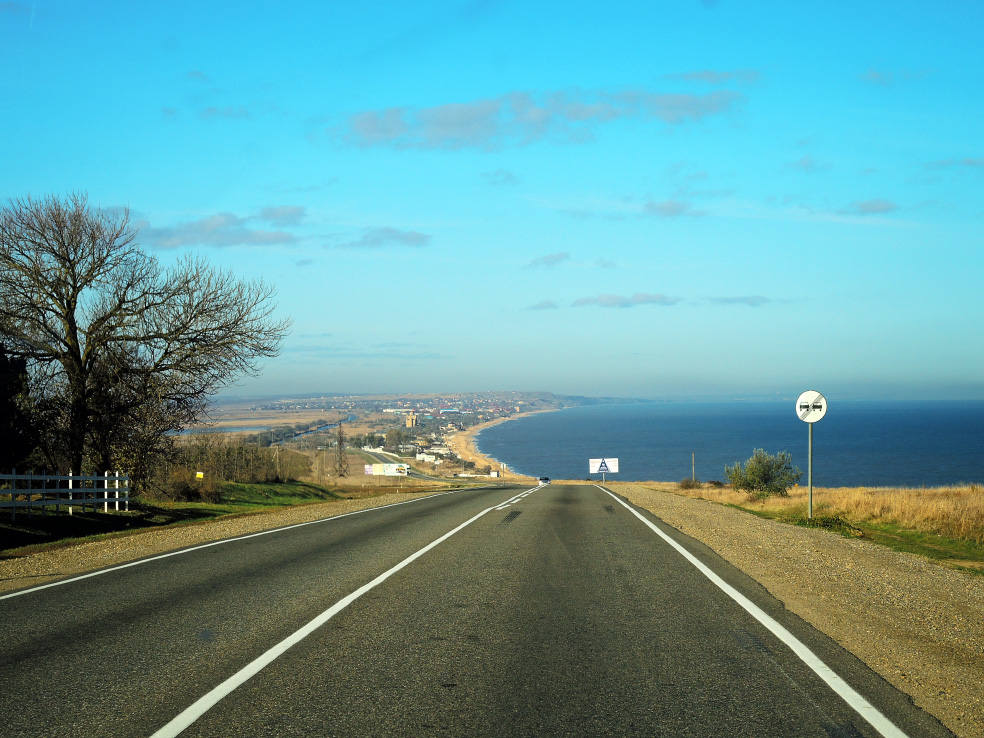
<point>28,491</point>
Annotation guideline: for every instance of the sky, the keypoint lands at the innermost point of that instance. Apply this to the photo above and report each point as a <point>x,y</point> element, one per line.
<point>663,199</point>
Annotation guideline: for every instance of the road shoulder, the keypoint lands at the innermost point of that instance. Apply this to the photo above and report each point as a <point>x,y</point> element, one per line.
<point>45,566</point>
<point>917,624</point>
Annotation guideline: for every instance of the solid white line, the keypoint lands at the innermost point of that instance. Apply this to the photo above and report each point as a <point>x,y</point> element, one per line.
<point>858,703</point>
<point>217,543</point>
<point>205,703</point>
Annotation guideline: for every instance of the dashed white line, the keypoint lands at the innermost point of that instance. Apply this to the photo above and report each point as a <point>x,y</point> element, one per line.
<point>202,705</point>
<point>216,543</point>
<point>846,692</point>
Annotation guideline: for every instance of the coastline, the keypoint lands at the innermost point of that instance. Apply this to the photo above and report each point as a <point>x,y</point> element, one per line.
<point>464,445</point>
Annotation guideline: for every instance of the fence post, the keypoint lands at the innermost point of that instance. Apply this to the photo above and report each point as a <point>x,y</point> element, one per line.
<point>106,491</point>
<point>70,492</point>
<point>117,494</point>
<point>13,494</point>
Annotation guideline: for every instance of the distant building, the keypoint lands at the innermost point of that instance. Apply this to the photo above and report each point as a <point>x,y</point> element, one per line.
<point>411,420</point>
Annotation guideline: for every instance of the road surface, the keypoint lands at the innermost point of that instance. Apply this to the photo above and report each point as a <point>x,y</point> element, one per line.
<point>554,610</point>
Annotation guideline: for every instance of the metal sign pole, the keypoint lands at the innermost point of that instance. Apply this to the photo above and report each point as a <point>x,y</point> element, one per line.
<point>809,470</point>
<point>811,406</point>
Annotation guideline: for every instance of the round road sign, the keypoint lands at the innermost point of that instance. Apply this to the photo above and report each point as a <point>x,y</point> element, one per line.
<point>811,406</point>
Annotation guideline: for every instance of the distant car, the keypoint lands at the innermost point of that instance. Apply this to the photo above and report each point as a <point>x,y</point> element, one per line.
<point>544,480</point>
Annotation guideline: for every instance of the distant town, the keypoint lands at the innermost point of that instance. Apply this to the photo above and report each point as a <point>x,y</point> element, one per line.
<point>415,427</point>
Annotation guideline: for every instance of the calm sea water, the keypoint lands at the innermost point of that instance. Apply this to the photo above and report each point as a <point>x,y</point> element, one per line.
<point>856,444</point>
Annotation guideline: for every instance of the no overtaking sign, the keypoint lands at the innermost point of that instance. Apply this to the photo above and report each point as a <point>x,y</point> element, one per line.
<point>811,406</point>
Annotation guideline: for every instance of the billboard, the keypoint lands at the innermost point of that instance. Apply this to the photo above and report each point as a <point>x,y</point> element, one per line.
<point>387,470</point>
<point>603,466</point>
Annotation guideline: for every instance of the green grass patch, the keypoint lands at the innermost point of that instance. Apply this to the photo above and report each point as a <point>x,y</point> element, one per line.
<point>956,552</point>
<point>959,553</point>
<point>37,531</point>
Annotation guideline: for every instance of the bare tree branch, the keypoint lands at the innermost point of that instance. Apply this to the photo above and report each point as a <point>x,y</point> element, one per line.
<point>116,331</point>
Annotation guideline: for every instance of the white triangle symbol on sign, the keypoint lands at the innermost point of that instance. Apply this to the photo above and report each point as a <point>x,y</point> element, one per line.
<point>603,466</point>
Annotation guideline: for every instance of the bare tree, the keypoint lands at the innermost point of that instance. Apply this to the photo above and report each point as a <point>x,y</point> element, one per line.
<point>108,328</point>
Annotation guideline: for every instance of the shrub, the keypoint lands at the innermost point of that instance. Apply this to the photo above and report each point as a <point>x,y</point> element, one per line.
<point>715,483</point>
<point>764,474</point>
<point>689,484</point>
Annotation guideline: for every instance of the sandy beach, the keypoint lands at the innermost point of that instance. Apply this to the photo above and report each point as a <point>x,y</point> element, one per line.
<point>463,444</point>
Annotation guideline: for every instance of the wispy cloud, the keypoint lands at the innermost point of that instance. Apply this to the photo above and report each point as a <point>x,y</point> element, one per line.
<point>543,305</point>
<point>303,262</point>
<point>374,238</point>
<point>605,264</point>
<point>549,260</point>
<point>967,161</point>
<point>521,118</point>
<point>14,9</point>
<point>807,164</point>
<point>619,301</point>
<point>199,76</point>
<point>717,77</point>
<point>283,215</point>
<point>670,208</point>
<point>749,300</point>
<point>875,77</point>
<point>384,350</point>
<point>222,229</point>
<point>237,112</point>
<point>886,79</point>
<point>500,177</point>
<point>871,207</point>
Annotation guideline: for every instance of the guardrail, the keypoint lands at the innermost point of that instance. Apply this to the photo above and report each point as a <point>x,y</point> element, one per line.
<point>30,491</point>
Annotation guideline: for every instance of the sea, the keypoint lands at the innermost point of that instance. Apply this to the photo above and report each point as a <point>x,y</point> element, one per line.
<point>910,444</point>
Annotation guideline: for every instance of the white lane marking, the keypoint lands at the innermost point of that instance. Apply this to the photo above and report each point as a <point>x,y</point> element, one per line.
<point>858,703</point>
<point>517,498</point>
<point>202,705</point>
<point>217,543</point>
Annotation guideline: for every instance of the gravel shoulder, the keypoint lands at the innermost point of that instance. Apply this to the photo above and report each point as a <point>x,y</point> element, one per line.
<point>916,623</point>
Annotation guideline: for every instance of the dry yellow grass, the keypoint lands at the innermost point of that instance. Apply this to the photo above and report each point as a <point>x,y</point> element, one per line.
<point>954,512</point>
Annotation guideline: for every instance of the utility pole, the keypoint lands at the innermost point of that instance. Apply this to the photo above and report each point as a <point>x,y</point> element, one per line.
<point>341,460</point>
<point>693,467</point>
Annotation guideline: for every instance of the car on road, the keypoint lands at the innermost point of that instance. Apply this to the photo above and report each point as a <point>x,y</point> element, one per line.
<point>544,480</point>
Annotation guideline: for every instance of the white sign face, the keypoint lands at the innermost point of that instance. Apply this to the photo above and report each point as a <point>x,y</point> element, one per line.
<point>811,406</point>
<point>387,470</point>
<point>599,466</point>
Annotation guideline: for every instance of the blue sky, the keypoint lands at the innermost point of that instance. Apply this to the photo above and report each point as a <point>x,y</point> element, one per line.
<point>687,199</point>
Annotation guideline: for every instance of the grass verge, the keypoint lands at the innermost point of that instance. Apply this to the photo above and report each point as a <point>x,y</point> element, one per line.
<point>37,531</point>
<point>939,523</point>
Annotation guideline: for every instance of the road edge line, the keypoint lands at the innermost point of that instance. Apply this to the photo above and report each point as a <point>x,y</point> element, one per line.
<point>199,547</point>
<point>871,714</point>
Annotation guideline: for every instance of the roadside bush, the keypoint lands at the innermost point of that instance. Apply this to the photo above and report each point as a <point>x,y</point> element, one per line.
<point>764,474</point>
<point>690,484</point>
<point>715,483</point>
<point>181,485</point>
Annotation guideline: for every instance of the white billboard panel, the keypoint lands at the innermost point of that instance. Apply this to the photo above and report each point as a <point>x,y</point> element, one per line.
<point>603,466</point>
<point>387,470</point>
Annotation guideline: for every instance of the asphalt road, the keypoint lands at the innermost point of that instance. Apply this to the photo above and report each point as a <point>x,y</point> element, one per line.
<point>559,613</point>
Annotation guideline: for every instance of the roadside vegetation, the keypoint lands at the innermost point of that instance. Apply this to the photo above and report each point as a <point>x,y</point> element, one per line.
<point>943,523</point>
<point>37,530</point>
